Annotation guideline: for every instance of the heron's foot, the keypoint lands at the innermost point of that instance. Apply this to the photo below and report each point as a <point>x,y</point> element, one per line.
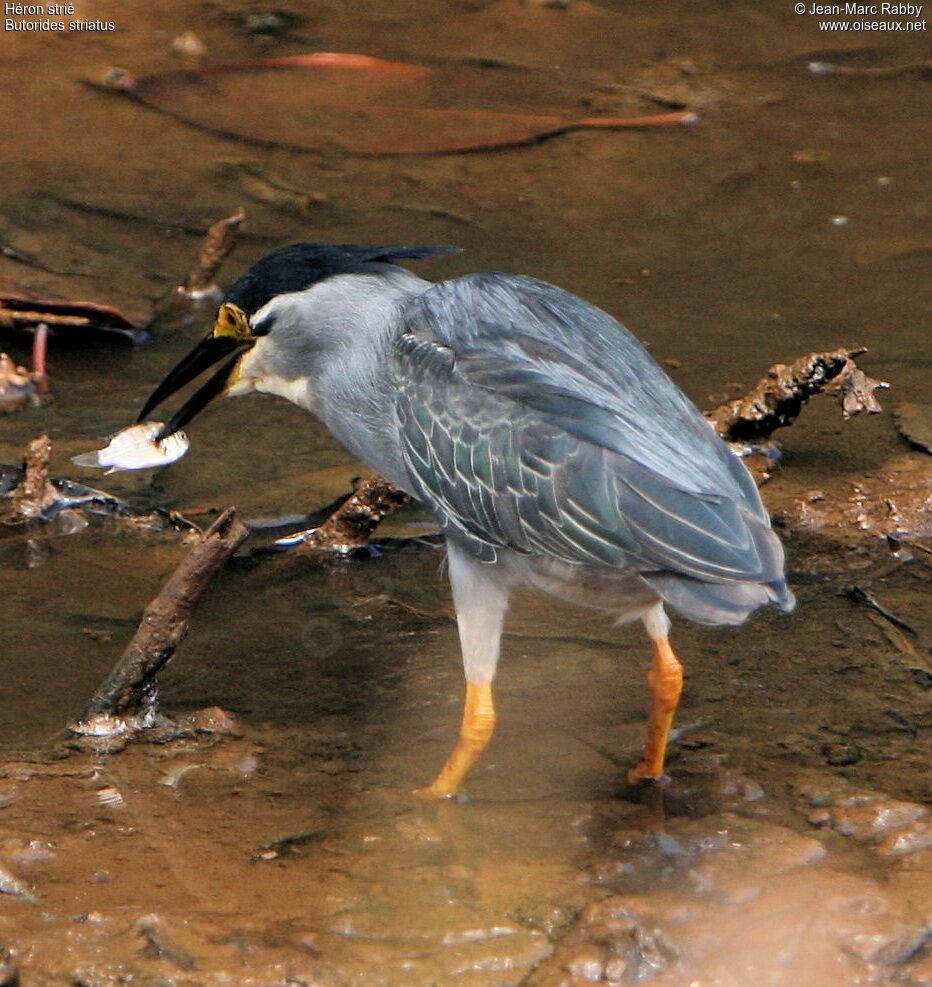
<point>433,793</point>
<point>648,772</point>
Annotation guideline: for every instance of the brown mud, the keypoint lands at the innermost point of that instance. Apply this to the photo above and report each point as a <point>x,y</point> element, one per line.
<point>278,843</point>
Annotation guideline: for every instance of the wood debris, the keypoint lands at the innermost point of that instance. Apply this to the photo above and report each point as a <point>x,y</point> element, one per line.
<point>36,495</point>
<point>130,687</point>
<point>29,494</point>
<point>219,242</point>
<point>777,399</point>
<point>193,302</point>
<point>895,637</point>
<point>855,391</point>
<point>860,596</point>
<point>351,525</point>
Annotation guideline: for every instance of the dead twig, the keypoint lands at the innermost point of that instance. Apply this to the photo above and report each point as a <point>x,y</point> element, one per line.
<point>218,244</point>
<point>194,301</point>
<point>353,522</point>
<point>895,637</point>
<point>164,624</point>
<point>776,400</point>
<point>35,495</point>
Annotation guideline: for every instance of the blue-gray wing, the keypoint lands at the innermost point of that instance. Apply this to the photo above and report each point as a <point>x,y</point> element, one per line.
<point>531,420</point>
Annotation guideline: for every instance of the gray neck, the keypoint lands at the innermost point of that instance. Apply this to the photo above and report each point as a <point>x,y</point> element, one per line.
<point>356,319</point>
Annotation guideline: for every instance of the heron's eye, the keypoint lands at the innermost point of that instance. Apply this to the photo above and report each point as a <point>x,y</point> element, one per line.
<point>262,327</point>
<point>232,323</point>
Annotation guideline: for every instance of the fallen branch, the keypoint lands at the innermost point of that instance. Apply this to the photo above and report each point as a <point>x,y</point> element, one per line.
<point>777,399</point>
<point>164,624</point>
<point>194,301</point>
<point>218,244</point>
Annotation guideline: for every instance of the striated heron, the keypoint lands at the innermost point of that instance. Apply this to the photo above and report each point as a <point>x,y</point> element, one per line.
<point>551,448</point>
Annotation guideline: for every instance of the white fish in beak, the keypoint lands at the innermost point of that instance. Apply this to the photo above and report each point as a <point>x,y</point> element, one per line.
<point>135,448</point>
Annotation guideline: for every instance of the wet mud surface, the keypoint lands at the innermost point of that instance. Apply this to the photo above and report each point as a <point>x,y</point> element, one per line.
<point>277,842</point>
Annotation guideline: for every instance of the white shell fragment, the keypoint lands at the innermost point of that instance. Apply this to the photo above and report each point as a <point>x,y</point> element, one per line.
<point>135,449</point>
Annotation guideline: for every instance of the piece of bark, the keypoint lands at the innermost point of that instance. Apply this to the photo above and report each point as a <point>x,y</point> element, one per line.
<point>776,400</point>
<point>855,391</point>
<point>35,495</point>
<point>164,624</point>
<point>193,304</point>
<point>353,522</point>
<point>218,244</point>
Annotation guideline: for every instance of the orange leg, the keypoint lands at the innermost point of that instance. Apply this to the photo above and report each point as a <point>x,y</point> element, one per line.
<point>665,679</point>
<point>475,733</point>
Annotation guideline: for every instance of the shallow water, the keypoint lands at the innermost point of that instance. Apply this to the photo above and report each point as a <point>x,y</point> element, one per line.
<point>792,846</point>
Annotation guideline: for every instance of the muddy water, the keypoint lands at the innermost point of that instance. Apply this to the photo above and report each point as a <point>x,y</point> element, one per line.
<point>792,846</point>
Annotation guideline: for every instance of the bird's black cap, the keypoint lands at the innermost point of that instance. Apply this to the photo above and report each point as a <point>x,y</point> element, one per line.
<point>299,266</point>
